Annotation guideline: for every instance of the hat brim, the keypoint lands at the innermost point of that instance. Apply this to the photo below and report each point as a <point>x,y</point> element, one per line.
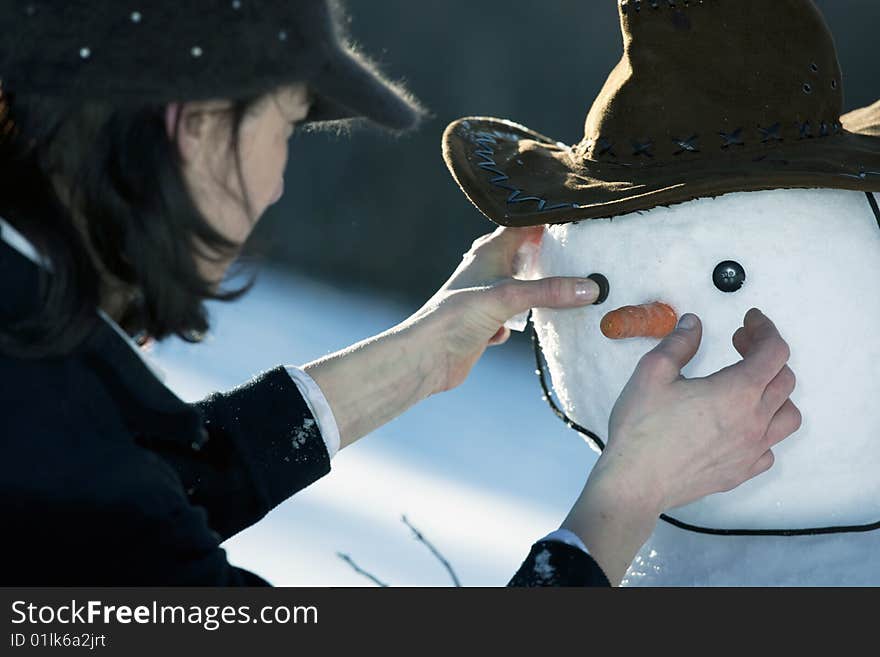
<point>349,87</point>
<point>518,177</point>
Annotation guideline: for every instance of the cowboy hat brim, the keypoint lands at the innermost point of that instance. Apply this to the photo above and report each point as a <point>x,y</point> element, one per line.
<point>518,177</point>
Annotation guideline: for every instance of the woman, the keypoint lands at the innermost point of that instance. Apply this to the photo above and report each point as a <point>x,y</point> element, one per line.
<point>130,183</point>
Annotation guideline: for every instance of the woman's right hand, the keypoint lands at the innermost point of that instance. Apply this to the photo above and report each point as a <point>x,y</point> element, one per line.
<point>687,438</point>
<point>674,440</point>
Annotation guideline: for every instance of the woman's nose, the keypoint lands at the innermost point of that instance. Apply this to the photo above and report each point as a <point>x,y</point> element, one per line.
<point>649,320</point>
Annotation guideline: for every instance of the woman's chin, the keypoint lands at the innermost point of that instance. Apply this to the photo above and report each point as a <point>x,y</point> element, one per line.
<point>279,192</point>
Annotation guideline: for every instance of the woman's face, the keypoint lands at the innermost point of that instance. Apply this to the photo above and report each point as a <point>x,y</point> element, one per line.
<point>209,164</point>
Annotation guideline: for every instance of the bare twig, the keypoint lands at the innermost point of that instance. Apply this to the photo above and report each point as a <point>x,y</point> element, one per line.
<point>360,571</point>
<point>421,538</point>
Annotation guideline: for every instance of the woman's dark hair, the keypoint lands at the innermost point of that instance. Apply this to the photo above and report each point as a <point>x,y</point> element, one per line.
<point>124,178</point>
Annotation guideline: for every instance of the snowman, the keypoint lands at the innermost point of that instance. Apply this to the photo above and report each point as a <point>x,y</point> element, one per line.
<point>717,174</point>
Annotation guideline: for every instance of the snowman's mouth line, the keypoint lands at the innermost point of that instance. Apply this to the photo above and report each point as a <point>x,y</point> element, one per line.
<point>599,445</point>
<point>872,201</point>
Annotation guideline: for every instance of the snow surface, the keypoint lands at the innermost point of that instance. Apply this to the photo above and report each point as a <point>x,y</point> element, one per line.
<point>483,471</point>
<point>811,259</point>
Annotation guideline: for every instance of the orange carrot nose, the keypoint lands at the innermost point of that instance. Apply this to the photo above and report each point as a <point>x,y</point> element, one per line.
<point>650,320</point>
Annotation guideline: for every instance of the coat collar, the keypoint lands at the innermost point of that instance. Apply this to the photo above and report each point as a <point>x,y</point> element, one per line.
<point>148,406</point>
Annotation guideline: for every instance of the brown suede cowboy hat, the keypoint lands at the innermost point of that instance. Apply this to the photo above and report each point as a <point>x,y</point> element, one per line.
<point>710,97</point>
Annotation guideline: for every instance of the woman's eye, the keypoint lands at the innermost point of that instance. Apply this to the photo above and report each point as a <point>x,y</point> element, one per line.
<point>729,276</point>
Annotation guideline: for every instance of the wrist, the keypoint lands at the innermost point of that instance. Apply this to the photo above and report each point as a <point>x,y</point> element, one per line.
<point>425,357</point>
<point>374,381</point>
<point>610,498</point>
<point>426,342</point>
<point>612,522</point>
<point>628,463</point>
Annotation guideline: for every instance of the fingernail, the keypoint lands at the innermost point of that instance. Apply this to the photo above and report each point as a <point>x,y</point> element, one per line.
<point>687,322</point>
<point>586,290</point>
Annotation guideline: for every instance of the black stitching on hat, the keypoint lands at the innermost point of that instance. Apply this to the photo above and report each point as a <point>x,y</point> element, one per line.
<point>861,175</point>
<point>773,133</point>
<point>636,5</point>
<point>805,130</point>
<point>686,145</point>
<point>732,138</point>
<point>643,148</point>
<point>485,141</point>
<point>605,147</point>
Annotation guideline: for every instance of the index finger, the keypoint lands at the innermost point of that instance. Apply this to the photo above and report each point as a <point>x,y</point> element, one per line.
<point>765,352</point>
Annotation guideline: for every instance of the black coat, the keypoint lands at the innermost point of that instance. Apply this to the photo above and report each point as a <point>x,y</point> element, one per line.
<point>107,478</point>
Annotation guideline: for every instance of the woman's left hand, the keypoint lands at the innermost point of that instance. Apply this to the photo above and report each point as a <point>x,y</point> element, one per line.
<point>468,313</point>
<point>374,381</point>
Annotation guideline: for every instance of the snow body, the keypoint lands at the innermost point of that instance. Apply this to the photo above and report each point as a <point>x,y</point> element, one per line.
<point>812,259</point>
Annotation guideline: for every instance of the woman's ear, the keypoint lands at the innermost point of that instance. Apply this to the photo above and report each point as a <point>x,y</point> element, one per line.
<point>191,126</point>
<point>172,113</point>
<point>185,126</point>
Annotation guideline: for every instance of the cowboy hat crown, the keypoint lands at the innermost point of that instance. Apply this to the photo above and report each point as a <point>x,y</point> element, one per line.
<point>714,75</point>
<point>710,97</point>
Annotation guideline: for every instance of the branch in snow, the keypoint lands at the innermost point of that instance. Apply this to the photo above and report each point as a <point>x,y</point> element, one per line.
<point>421,538</point>
<point>360,571</point>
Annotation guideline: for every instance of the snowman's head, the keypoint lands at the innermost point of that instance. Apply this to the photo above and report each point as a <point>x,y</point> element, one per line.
<point>810,259</point>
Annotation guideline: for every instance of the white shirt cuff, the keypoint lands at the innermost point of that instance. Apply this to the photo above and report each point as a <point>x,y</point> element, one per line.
<point>319,407</point>
<point>568,537</point>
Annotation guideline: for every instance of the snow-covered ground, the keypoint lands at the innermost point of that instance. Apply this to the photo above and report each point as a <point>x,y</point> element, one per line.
<point>483,471</point>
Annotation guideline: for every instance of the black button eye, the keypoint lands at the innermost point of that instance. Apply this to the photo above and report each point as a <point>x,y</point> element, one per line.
<point>604,287</point>
<point>729,276</point>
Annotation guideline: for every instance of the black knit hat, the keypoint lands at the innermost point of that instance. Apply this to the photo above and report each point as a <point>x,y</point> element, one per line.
<point>173,50</point>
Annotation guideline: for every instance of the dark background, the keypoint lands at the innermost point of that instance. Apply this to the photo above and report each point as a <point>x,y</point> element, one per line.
<point>379,213</point>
